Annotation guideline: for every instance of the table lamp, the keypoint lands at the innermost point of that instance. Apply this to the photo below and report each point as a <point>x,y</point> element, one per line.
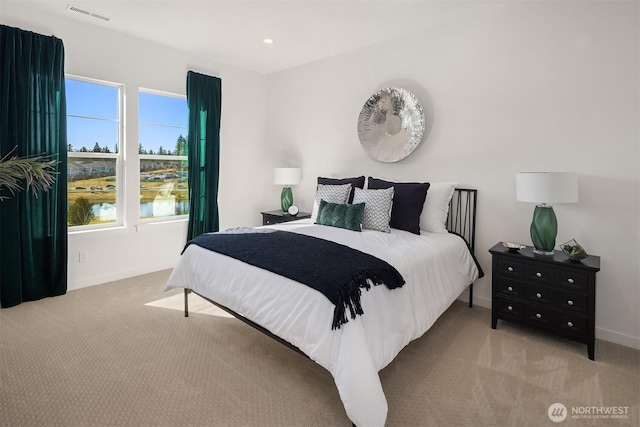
<point>543,188</point>
<point>286,177</point>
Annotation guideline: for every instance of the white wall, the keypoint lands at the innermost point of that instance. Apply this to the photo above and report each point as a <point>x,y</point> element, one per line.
<point>544,86</point>
<point>91,51</point>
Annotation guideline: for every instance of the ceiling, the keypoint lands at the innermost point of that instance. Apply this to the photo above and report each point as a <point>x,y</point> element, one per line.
<point>232,31</point>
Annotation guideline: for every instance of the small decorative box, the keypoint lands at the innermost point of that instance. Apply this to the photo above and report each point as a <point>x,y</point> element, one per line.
<point>573,250</point>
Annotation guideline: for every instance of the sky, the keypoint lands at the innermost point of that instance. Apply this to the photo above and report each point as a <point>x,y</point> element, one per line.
<point>162,118</point>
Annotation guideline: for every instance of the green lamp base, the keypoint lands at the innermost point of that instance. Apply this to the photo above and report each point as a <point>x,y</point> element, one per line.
<point>286,199</point>
<point>544,229</point>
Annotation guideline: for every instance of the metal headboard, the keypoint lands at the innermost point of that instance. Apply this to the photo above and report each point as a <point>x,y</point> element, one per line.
<point>462,220</point>
<point>462,215</point>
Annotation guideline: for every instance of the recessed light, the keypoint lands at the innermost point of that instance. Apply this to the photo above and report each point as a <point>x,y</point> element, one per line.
<point>267,41</point>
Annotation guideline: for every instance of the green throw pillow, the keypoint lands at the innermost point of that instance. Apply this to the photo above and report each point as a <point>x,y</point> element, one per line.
<point>341,215</point>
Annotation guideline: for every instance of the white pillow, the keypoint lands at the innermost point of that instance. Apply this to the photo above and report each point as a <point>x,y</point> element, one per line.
<point>330,194</point>
<point>377,207</point>
<point>436,207</point>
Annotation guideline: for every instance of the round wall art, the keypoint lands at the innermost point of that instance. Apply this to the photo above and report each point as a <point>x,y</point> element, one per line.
<point>391,124</point>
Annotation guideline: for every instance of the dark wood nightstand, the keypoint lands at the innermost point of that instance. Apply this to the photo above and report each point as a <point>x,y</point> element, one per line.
<point>550,293</point>
<point>276,217</point>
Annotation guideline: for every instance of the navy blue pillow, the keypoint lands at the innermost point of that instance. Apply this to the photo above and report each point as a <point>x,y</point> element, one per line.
<point>408,201</point>
<point>355,182</point>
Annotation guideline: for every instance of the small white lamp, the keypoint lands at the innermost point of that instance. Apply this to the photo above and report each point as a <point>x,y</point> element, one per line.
<point>542,188</point>
<point>286,177</point>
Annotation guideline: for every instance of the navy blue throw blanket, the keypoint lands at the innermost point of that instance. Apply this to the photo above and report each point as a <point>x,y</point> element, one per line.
<point>337,271</point>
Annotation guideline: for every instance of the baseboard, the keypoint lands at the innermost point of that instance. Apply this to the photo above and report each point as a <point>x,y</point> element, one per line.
<point>477,300</point>
<point>617,338</point>
<point>116,275</point>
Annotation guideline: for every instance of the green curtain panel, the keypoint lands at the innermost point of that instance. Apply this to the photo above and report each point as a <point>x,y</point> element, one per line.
<point>33,230</point>
<point>204,99</point>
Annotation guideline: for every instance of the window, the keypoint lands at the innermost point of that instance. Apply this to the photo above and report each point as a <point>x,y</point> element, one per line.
<point>93,133</point>
<point>96,176</point>
<point>162,147</point>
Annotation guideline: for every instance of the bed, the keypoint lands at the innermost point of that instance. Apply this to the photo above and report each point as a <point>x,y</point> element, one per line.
<point>437,268</point>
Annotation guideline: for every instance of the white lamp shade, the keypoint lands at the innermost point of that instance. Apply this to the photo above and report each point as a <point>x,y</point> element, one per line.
<point>287,176</point>
<point>547,187</point>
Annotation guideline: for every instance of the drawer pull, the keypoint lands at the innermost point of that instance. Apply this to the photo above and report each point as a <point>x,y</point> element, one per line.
<point>510,289</point>
<point>570,324</point>
<point>538,295</point>
<point>538,274</point>
<point>509,308</point>
<point>570,280</point>
<point>539,316</point>
<point>570,302</point>
<point>510,268</point>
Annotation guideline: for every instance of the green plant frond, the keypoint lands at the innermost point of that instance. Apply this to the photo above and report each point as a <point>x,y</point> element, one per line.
<point>37,172</point>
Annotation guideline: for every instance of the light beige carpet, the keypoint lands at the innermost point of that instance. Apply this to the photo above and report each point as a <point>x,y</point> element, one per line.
<point>123,354</point>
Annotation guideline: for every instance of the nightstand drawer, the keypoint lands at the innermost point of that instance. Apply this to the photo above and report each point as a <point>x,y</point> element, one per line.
<point>539,274</point>
<point>571,302</point>
<point>572,280</point>
<point>573,325</point>
<point>510,269</point>
<point>511,288</point>
<point>539,315</point>
<point>510,308</point>
<point>278,217</point>
<point>539,295</point>
<point>269,220</point>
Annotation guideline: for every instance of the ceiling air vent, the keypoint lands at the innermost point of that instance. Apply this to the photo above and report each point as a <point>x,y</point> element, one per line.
<point>104,18</point>
<point>77,9</point>
<point>88,13</point>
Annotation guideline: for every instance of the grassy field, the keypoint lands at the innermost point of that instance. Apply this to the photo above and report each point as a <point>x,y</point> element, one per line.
<point>148,190</point>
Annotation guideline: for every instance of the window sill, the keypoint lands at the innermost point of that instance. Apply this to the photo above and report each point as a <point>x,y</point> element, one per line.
<point>152,225</point>
<point>148,226</point>
<point>92,232</point>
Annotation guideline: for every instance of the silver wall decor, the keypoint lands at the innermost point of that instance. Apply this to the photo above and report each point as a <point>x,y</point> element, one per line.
<point>391,124</point>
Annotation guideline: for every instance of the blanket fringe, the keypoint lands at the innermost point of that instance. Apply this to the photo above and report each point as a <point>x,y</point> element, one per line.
<point>350,292</point>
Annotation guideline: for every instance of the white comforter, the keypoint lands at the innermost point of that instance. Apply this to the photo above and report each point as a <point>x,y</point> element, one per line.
<point>436,267</point>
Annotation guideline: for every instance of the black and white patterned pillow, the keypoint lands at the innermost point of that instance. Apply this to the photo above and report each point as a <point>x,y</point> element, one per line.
<point>377,208</point>
<point>355,182</point>
<point>330,194</point>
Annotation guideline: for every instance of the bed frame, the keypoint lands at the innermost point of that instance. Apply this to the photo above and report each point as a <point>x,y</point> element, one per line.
<point>461,220</point>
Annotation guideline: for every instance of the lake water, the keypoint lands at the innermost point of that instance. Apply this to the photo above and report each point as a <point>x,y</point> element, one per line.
<point>107,211</point>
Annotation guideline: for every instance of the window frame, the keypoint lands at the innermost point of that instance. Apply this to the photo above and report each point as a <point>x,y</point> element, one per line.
<point>119,156</point>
